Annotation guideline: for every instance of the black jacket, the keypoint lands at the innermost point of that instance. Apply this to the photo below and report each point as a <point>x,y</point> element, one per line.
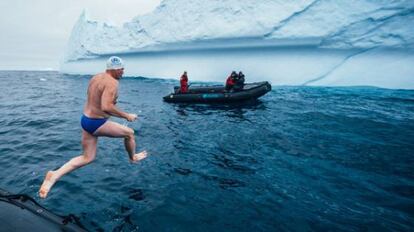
<point>239,83</point>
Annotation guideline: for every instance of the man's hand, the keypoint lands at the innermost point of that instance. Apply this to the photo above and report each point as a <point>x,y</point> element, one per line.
<point>131,117</point>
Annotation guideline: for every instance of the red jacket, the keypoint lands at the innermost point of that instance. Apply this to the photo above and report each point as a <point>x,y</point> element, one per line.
<point>183,84</point>
<point>229,81</point>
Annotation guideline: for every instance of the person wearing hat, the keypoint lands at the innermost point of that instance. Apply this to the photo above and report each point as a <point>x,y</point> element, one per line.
<point>100,105</point>
<point>231,81</point>
<point>239,82</point>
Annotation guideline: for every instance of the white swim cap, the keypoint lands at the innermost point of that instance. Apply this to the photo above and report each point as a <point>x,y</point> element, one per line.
<point>114,62</point>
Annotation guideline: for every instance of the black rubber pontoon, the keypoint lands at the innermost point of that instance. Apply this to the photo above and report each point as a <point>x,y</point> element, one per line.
<point>21,213</point>
<point>217,94</point>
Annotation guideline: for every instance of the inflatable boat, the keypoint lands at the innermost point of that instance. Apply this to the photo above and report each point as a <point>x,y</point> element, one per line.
<point>22,213</point>
<point>218,94</point>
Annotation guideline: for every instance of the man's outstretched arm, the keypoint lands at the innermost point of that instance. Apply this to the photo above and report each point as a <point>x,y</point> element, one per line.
<point>108,103</point>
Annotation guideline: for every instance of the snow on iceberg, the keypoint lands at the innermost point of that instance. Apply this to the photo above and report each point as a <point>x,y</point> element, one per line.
<point>298,42</point>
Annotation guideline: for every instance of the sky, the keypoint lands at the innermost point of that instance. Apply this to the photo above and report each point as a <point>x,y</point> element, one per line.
<point>34,34</point>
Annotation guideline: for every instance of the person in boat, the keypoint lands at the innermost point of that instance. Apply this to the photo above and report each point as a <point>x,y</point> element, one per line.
<point>231,81</point>
<point>239,82</point>
<point>184,83</point>
<point>100,105</point>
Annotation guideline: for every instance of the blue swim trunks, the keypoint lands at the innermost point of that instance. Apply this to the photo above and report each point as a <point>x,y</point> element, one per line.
<point>92,124</point>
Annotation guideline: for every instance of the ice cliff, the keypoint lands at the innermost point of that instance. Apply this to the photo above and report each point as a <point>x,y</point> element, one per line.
<point>337,31</point>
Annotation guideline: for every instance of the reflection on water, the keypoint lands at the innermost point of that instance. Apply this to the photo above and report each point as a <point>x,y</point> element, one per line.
<point>232,110</point>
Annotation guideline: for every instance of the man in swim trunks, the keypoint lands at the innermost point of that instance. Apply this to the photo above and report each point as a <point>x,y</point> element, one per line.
<point>100,105</point>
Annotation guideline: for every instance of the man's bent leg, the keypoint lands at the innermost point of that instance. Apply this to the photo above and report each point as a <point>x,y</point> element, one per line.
<point>89,144</point>
<point>116,130</point>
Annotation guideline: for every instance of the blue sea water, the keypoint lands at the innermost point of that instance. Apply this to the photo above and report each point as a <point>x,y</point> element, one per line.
<point>299,159</point>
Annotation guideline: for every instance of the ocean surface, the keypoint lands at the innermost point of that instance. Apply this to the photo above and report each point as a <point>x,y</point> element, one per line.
<point>299,159</point>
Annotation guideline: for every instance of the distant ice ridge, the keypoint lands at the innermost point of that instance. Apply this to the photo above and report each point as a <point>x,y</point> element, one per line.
<point>315,38</point>
<point>178,24</point>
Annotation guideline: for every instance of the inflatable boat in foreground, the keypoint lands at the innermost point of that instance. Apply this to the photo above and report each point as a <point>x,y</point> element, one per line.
<point>217,94</point>
<point>21,213</point>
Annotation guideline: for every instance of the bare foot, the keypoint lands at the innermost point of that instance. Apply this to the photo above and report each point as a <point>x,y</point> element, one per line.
<point>139,156</point>
<point>47,184</point>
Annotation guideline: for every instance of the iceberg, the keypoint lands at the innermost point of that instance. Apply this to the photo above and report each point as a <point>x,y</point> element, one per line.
<point>298,42</point>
